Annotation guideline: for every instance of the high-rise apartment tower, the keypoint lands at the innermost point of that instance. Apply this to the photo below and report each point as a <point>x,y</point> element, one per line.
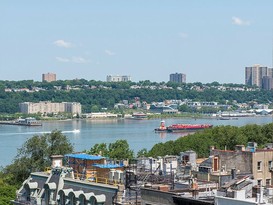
<point>49,77</point>
<point>256,74</point>
<point>178,77</point>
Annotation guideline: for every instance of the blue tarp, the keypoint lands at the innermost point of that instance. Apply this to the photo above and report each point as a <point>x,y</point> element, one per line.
<point>84,156</point>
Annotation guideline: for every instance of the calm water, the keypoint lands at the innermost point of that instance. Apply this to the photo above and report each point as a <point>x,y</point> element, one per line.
<point>138,133</point>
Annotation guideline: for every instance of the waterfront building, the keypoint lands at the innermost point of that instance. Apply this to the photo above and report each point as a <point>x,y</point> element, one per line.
<point>118,78</point>
<point>45,107</point>
<point>178,77</point>
<point>72,107</point>
<point>199,105</point>
<point>48,77</point>
<point>162,108</point>
<point>99,115</point>
<point>254,75</point>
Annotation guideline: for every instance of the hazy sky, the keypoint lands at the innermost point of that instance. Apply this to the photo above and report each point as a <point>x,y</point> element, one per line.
<point>146,39</point>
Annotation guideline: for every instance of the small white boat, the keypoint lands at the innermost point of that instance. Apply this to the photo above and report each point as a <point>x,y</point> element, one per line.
<point>76,131</point>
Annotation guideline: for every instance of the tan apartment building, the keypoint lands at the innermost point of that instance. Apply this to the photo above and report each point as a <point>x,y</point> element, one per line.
<point>246,161</point>
<point>254,75</point>
<point>48,77</point>
<point>262,166</point>
<point>50,107</point>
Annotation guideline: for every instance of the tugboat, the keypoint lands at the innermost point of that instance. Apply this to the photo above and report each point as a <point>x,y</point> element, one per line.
<point>162,127</point>
<point>181,127</point>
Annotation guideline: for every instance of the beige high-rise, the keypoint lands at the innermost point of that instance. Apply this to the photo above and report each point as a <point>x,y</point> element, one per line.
<point>254,75</point>
<point>49,77</point>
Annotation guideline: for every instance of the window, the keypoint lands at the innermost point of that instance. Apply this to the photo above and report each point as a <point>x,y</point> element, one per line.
<point>62,198</point>
<point>47,196</point>
<point>259,182</point>
<point>215,164</point>
<point>268,182</point>
<point>270,165</point>
<point>185,159</point>
<point>259,165</point>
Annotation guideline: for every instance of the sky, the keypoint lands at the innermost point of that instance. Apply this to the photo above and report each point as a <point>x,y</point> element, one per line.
<point>145,39</point>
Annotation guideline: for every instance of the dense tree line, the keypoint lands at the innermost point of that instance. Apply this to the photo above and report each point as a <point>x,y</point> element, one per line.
<point>222,137</point>
<point>115,92</point>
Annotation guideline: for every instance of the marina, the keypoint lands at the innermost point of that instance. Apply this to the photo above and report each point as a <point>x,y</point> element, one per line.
<point>139,133</point>
<point>30,121</point>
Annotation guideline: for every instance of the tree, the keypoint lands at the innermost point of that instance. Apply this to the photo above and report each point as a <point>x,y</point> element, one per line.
<point>184,108</point>
<point>57,144</point>
<point>117,150</point>
<point>99,149</point>
<point>142,153</point>
<point>7,193</point>
<point>120,150</point>
<point>35,153</point>
<point>95,108</point>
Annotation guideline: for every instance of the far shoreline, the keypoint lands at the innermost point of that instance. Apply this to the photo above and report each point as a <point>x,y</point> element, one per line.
<point>150,118</point>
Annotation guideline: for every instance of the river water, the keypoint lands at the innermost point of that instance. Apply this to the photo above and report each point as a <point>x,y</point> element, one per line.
<point>139,133</point>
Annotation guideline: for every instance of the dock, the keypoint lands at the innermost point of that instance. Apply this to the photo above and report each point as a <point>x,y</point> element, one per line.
<point>23,122</point>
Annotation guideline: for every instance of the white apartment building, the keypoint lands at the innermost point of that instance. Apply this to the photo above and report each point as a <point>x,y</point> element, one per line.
<point>49,107</point>
<point>118,78</point>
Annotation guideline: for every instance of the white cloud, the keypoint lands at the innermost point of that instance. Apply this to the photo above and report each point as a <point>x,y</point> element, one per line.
<point>78,59</point>
<point>110,53</point>
<point>62,43</point>
<point>61,59</point>
<point>183,35</point>
<point>74,59</point>
<point>240,22</point>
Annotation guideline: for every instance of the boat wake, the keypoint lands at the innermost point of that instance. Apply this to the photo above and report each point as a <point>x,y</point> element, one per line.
<point>43,132</point>
<point>72,131</point>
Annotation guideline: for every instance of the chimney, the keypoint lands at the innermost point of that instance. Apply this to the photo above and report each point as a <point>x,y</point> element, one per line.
<point>233,173</point>
<point>56,161</point>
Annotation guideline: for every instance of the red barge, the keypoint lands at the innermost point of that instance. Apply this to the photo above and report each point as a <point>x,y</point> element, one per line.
<point>181,127</point>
